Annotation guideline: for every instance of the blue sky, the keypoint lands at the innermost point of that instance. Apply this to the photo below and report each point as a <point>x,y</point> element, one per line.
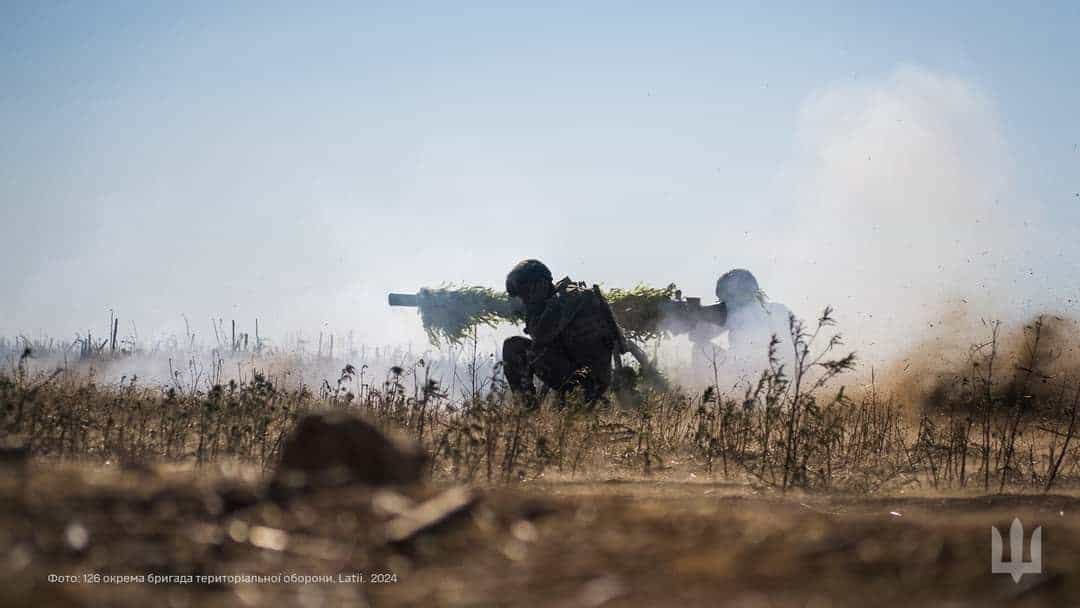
<point>295,164</point>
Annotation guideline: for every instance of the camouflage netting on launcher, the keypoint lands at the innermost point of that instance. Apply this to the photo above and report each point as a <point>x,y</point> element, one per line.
<point>449,314</point>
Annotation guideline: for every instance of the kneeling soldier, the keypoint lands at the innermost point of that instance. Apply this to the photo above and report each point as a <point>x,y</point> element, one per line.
<point>573,335</point>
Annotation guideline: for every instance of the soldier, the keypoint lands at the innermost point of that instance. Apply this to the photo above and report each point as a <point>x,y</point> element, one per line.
<point>751,323</point>
<point>573,335</point>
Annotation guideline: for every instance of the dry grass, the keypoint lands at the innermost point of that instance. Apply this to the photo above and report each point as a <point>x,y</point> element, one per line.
<point>791,428</point>
<point>791,491</point>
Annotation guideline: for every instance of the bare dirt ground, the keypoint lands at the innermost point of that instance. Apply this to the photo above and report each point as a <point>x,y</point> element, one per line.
<point>550,543</point>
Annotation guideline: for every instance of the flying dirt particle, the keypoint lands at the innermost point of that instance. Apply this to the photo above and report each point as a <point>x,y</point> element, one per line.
<point>896,514</point>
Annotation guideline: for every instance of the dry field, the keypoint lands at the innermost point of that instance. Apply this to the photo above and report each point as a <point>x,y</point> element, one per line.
<point>791,491</point>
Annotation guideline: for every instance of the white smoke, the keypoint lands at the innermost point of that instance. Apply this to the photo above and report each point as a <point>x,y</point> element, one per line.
<point>902,210</point>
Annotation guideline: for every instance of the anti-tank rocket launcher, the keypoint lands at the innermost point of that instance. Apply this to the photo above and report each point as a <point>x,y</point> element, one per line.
<point>426,299</point>
<point>687,315</point>
<point>642,313</point>
<point>451,314</point>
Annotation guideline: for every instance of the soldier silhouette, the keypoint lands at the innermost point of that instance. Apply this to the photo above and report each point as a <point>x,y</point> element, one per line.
<point>572,335</point>
<point>751,323</point>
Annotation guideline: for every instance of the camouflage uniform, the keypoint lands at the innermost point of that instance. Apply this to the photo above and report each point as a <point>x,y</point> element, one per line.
<point>572,341</point>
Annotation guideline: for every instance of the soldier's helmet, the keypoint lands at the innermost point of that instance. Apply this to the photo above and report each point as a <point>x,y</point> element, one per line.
<point>525,273</point>
<point>738,287</point>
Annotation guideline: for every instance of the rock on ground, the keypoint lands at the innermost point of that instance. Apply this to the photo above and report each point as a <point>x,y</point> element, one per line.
<point>335,447</point>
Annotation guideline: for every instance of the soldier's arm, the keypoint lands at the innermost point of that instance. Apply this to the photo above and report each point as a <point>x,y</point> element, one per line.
<point>548,323</point>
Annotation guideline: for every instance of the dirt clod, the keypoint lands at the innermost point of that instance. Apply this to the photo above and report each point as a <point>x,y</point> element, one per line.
<point>335,447</point>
